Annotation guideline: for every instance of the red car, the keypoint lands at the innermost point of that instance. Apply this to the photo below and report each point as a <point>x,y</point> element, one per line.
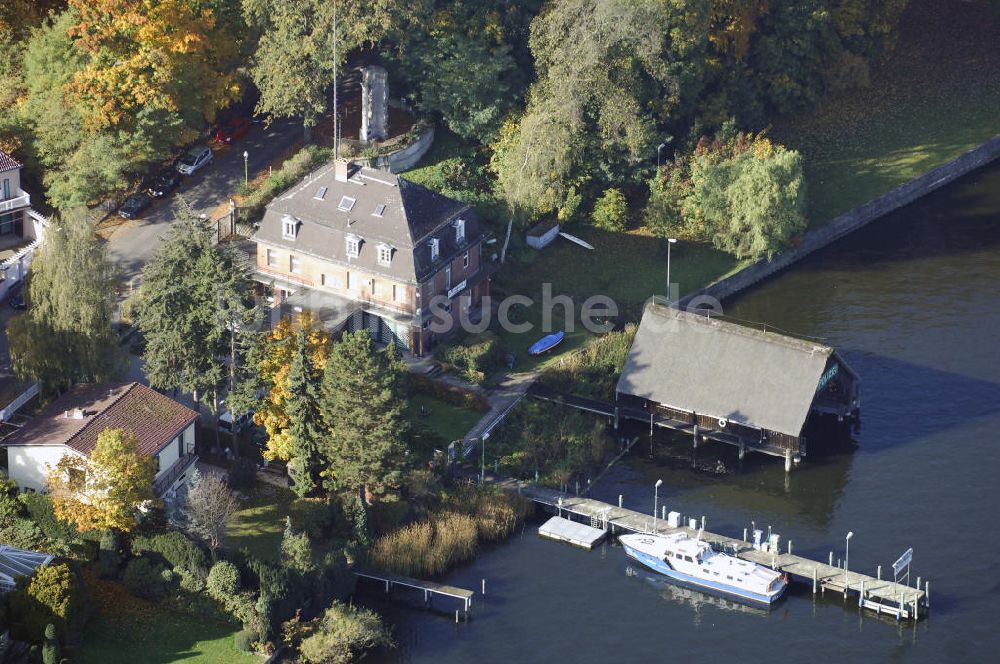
<point>231,130</point>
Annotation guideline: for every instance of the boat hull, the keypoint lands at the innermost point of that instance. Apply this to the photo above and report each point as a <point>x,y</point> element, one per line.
<point>545,344</point>
<point>706,585</point>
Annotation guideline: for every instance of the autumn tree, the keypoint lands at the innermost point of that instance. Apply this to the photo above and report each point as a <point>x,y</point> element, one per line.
<point>166,56</point>
<point>104,489</point>
<point>274,361</point>
<point>208,506</point>
<point>66,334</point>
<point>364,412</point>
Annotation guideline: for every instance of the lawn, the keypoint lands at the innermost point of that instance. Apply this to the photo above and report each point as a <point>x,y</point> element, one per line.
<point>129,629</point>
<point>445,420</point>
<point>935,97</point>
<point>259,524</point>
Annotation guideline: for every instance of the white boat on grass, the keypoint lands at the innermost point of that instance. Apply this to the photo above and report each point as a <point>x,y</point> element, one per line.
<point>692,562</point>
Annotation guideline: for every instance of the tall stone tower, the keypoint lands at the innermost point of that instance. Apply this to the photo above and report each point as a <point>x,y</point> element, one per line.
<point>374,104</point>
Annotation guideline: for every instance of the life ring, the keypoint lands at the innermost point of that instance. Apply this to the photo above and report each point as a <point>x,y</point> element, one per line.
<point>723,422</point>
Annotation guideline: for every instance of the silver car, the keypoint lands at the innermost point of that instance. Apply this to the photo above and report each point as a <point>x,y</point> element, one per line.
<point>194,159</point>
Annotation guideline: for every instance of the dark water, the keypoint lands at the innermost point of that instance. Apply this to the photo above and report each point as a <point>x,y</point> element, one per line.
<point>912,302</point>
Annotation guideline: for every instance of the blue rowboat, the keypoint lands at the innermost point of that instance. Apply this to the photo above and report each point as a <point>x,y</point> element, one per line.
<point>545,344</point>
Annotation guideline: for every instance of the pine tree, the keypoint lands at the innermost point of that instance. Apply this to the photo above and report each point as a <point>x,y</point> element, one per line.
<point>302,405</point>
<point>193,293</point>
<point>364,412</point>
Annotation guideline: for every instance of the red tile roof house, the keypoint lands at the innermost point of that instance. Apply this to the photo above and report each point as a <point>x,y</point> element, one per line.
<point>71,424</point>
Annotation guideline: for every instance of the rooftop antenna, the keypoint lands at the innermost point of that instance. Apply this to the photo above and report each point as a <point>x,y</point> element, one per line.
<point>336,110</point>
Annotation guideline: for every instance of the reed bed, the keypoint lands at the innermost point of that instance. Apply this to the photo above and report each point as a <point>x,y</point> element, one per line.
<point>451,535</point>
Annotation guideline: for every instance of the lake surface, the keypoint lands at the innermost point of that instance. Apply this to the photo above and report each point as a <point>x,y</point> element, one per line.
<point>912,302</point>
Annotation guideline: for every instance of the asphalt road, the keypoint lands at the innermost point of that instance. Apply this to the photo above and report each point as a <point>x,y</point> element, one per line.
<point>132,244</point>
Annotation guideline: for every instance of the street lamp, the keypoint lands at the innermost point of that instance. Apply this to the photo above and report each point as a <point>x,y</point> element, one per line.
<point>656,495</point>
<point>659,150</point>
<point>670,241</point>
<point>847,557</point>
<point>482,467</point>
<point>246,169</point>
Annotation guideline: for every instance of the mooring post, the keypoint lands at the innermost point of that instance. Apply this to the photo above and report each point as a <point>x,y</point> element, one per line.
<point>616,418</point>
<point>703,522</point>
<point>831,559</point>
<point>815,579</point>
<point>861,596</point>
<point>456,616</point>
<point>878,573</point>
<point>578,487</point>
<point>619,500</point>
<point>651,430</point>
<point>918,583</point>
<point>744,534</point>
<point>695,435</point>
<point>789,547</point>
<point>927,594</point>
<point>788,461</point>
<point>387,586</point>
<point>663,513</point>
<point>484,586</point>
<point>916,605</point>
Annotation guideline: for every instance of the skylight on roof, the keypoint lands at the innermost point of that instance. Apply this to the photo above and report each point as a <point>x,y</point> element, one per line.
<point>321,194</point>
<point>346,204</point>
<point>379,210</point>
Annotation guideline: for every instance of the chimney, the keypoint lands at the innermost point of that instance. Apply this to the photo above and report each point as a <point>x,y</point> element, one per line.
<point>66,415</point>
<point>342,169</point>
<point>77,413</point>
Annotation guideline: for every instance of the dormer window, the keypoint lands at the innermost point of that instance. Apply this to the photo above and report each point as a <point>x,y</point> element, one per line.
<point>435,249</point>
<point>384,254</point>
<point>459,230</point>
<point>346,204</point>
<point>289,227</point>
<point>353,246</point>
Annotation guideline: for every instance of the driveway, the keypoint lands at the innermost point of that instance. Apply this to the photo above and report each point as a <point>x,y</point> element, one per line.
<point>132,244</point>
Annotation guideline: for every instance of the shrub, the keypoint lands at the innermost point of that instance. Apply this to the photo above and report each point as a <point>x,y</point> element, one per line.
<point>50,646</point>
<point>474,357</point>
<point>343,634</point>
<point>189,581</point>
<point>296,551</point>
<point>109,558</point>
<point>244,640</point>
<point>611,211</point>
<point>452,394</point>
<point>41,511</point>
<point>223,580</point>
<point>11,508</point>
<point>51,595</point>
<point>593,370</point>
<point>174,549</point>
<point>242,474</point>
<point>144,579</point>
<point>290,172</point>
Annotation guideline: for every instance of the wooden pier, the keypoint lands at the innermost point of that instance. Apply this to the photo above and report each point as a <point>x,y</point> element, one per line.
<point>880,595</point>
<point>429,588</point>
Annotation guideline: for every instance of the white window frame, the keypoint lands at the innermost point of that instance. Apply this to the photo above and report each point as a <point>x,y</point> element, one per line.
<point>270,258</point>
<point>465,260</point>
<point>352,246</point>
<point>289,227</point>
<point>435,249</point>
<point>447,278</point>
<point>294,264</point>
<point>384,254</point>
<point>459,230</point>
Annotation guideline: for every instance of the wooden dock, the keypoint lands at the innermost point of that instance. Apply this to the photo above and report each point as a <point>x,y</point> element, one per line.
<point>880,595</point>
<point>429,588</point>
<point>571,532</point>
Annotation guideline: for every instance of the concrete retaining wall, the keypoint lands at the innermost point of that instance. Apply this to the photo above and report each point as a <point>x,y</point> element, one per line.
<point>852,220</point>
<point>407,158</point>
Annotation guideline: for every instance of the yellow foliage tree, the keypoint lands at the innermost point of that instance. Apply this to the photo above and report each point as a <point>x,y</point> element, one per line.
<point>168,55</point>
<point>274,367</point>
<point>104,490</point>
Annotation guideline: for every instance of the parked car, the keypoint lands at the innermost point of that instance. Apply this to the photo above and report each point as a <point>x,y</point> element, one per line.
<point>134,205</point>
<point>15,297</point>
<point>232,130</point>
<point>242,422</point>
<point>164,182</point>
<point>194,159</point>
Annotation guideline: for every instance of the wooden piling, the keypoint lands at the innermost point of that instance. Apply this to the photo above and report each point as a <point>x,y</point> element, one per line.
<point>815,580</point>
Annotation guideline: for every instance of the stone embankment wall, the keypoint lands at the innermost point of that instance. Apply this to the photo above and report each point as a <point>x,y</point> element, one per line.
<point>407,158</point>
<point>851,221</point>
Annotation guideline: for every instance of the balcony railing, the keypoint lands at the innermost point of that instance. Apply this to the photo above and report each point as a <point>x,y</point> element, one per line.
<point>167,479</point>
<point>22,200</point>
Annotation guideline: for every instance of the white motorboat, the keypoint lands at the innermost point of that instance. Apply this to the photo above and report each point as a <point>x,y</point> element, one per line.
<point>691,561</point>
